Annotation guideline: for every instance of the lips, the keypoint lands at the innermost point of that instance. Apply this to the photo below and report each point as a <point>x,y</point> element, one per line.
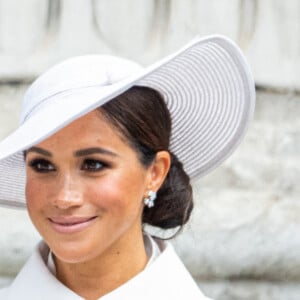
<point>70,224</point>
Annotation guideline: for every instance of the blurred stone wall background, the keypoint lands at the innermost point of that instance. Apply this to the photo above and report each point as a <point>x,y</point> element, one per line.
<point>243,241</point>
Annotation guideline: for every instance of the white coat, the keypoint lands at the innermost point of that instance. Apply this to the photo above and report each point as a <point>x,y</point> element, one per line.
<point>165,278</point>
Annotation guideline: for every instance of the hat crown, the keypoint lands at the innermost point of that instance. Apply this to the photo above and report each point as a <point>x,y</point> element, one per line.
<point>76,73</point>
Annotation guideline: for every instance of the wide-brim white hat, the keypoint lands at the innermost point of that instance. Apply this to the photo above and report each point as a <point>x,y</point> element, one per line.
<point>207,85</point>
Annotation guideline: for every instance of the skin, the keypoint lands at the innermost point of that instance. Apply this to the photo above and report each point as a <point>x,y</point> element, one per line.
<point>88,171</point>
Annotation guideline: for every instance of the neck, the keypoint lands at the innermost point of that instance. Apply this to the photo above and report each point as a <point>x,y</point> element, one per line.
<point>101,275</point>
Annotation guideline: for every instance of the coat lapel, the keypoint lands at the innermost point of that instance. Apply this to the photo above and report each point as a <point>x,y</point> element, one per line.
<point>36,282</point>
<point>165,278</point>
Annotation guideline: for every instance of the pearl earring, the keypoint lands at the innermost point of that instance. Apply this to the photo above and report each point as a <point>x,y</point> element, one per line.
<point>149,201</point>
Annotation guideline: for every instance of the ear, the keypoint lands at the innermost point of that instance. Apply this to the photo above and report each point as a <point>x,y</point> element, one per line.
<point>158,170</point>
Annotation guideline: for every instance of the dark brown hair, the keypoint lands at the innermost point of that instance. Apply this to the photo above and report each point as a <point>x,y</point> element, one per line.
<point>142,117</point>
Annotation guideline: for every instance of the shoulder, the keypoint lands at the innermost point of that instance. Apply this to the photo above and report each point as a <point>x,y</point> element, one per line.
<point>24,281</point>
<point>35,281</point>
<point>176,276</point>
<point>170,277</point>
<point>4,293</point>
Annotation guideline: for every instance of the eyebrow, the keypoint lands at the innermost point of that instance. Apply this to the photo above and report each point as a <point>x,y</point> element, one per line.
<point>81,152</point>
<point>39,151</point>
<point>78,153</point>
<point>94,150</point>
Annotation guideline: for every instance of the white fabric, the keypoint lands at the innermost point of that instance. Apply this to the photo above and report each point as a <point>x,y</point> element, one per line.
<point>152,249</point>
<point>207,86</point>
<point>165,278</point>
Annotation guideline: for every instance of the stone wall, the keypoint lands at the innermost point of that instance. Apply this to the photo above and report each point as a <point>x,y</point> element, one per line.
<point>243,241</point>
<point>245,229</point>
<point>48,31</point>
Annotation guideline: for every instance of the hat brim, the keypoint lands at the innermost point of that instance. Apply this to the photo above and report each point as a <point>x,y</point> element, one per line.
<point>209,91</point>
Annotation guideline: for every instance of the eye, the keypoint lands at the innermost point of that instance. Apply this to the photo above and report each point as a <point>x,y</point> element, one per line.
<point>41,166</point>
<point>93,165</point>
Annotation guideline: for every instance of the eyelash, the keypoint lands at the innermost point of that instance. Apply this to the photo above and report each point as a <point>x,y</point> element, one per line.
<point>41,166</point>
<point>45,166</point>
<point>93,162</point>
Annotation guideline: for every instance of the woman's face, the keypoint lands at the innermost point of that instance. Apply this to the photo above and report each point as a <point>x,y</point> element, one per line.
<point>85,189</point>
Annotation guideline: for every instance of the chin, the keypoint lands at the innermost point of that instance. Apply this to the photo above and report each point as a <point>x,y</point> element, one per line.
<point>73,253</point>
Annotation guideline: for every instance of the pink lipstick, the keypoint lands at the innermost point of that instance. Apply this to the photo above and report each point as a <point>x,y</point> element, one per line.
<point>69,224</point>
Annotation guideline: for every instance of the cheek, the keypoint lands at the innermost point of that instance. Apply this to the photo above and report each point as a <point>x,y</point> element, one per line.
<point>117,195</point>
<point>34,201</point>
<point>36,193</point>
<point>32,192</point>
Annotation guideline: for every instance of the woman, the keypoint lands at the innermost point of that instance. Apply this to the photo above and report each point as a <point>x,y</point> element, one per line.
<point>108,147</point>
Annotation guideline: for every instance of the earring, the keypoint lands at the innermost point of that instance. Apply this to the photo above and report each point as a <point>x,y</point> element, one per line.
<point>149,201</point>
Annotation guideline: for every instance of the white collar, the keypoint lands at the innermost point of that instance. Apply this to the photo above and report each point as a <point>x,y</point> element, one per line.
<point>165,278</point>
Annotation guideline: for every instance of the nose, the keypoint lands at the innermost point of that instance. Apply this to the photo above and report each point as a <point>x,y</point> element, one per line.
<point>69,193</point>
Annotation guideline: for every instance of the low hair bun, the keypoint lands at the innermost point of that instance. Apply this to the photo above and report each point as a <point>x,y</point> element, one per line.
<point>174,202</point>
